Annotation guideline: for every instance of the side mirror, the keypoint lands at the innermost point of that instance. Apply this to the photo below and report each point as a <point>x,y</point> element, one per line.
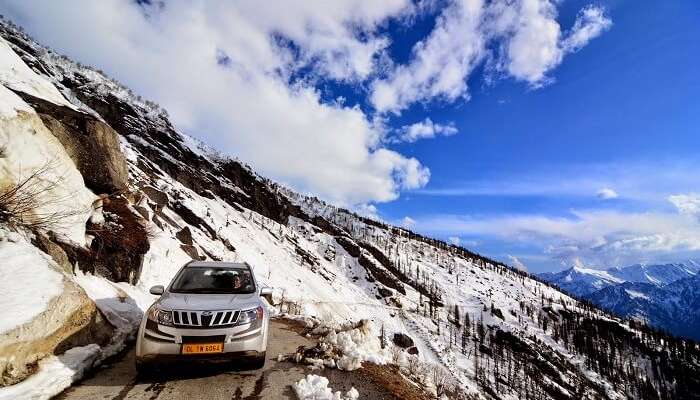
<point>266,291</point>
<point>157,290</point>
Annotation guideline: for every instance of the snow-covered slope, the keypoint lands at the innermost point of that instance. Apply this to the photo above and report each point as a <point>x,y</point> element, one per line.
<point>499,332</point>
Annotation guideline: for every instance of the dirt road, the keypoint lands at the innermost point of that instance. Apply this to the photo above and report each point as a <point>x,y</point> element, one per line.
<point>118,380</point>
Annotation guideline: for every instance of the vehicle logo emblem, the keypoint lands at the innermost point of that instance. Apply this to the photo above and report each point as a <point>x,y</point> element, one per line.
<point>206,314</point>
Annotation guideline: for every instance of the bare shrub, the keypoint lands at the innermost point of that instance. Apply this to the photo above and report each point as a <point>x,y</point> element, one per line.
<point>441,381</point>
<point>30,202</point>
<point>416,369</point>
<point>396,355</point>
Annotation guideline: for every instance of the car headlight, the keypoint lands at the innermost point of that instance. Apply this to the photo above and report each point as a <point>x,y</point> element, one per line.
<point>160,316</point>
<point>250,316</point>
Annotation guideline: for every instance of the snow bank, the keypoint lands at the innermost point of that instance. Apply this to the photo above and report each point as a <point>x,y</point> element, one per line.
<point>116,305</point>
<point>55,374</point>
<point>122,305</point>
<point>358,345</point>
<point>25,264</point>
<point>315,387</point>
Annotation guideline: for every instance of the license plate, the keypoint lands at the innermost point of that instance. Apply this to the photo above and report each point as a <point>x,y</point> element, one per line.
<point>202,348</point>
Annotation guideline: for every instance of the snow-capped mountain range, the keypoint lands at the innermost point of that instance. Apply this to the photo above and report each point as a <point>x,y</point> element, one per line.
<point>663,295</point>
<point>582,281</point>
<point>137,198</point>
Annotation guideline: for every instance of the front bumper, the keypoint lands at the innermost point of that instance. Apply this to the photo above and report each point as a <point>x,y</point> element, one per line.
<point>163,343</point>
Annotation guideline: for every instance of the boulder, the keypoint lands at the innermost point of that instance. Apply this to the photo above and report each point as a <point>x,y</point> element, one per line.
<point>184,235</point>
<point>384,292</point>
<point>403,340</point>
<point>157,196</point>
<point>191,251</point>
<point>413,350</point>
<point>91,144</point>
<point>71,319</point>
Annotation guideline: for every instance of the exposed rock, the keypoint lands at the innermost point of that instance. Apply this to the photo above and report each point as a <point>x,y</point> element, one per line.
<point>413,350</point>
<point>403,340</point>
<point>54,250</point>
<point>349,245</point>
<point>192,252</point>
<point>193,219</point>
<point>228,245</point>
<point>70,320</point>
<point>380,274</point>
<point>120,243</point>
<point>157,196</point>
<point>384,292</point>
<point>184,235</point>
<point>91,144</point>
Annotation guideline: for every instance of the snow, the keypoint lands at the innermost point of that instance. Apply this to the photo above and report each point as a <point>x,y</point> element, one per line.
<point>16,75</point>
<point>120,309</point>
<point>357,346</point>
<point>22,262</point>
<point>10,103</point>
<point>604,275</point>
<point>636,295</point>
<point>54,375</point>
<point>314,387</point>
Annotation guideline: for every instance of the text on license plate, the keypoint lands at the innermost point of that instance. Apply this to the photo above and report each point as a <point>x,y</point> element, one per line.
<point>202,348</point>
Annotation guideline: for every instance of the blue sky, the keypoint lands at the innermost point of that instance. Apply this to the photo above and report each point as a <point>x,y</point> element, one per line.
<point>630,98</point>
<point>538,132</point>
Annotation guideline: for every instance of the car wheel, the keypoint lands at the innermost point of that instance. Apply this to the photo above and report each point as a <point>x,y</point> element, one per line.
<point>259,361</point>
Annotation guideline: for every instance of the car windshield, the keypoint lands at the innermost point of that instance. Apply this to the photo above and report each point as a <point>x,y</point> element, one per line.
<point>225,280</point>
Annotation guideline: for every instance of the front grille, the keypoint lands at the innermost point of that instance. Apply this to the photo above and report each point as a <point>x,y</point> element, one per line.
<point>205,319</point>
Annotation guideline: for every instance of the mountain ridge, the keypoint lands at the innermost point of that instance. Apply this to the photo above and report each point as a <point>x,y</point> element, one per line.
<point>649,293</point>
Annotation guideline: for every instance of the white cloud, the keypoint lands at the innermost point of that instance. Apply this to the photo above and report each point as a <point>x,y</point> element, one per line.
<point>647,182</point>
<point>606,194</point>
<point>534,47</point>
<point>516,263</point>
<point>597,237</point>
<point>426,129</point>
<point>368,210</point>
<point>440,63</point>
<point>248,106</point>
<point>590,23</point>
<point>407,222</point>
<point>537,46</point>
<point>525,32</point>
<point>455,240</point>
<point>688,204</point>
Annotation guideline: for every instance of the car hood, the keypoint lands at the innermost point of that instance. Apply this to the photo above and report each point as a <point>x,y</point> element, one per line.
<point>198,302</point>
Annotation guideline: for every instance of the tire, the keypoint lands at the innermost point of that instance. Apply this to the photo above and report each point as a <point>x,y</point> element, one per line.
<point>259,361</point>
<point>143,370</point>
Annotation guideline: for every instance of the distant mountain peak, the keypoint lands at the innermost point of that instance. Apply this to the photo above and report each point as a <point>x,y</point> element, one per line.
<point>663,295</point>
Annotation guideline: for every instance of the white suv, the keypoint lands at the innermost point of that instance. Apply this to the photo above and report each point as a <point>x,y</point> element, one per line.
<point>210,311</point>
